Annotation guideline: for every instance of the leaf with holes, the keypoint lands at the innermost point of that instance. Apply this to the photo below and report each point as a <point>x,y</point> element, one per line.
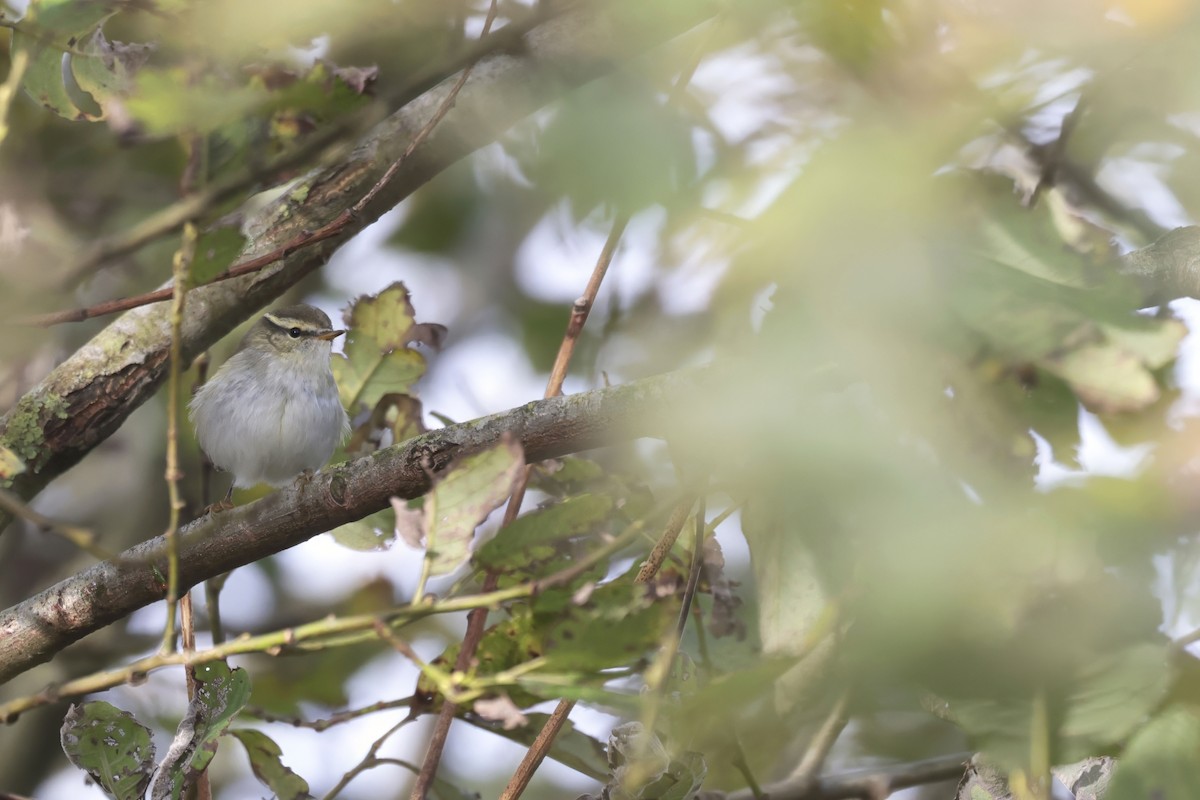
<point>221,693</point>
<point>50,29</point>
<point>111,746</point>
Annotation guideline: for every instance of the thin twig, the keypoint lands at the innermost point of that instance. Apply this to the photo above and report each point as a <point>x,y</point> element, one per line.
<point>583,307</point>
<point>822,742</point>
<point>742,765</point>
<point>476,619</point>
<point>689,591</point>
<point>865,784</point>
<point>83,538</point>
<point>333,719</point>
<point>167,220</point>
<point>579,312</point>
<point>666,541</point>
<point>330,631</point>
<point>558,373</point>
<point>371,759</point>
<point>540,748</point>
<point>182,264</point>
<point>212,586</point>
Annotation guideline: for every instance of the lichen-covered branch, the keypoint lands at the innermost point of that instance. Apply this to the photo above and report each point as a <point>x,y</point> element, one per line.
<point>33,631</point>
<point>1169,268</point>
<point>88,396</point>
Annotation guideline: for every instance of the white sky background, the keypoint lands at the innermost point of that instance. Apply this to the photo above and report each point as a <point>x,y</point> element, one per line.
<point>489,372</point>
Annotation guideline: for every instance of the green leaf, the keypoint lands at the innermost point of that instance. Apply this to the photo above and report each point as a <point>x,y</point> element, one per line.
<point>1104,702</point>
<point>534,537</point>
<point>617,625</point>
<point>640,149</point>
<point>461,499</point>
<point>377,360</point>
<point>265,760</point>
<point>220,694</point>
<point>504,645</point>
<point>371,533</point>
<point>106,70</point>
<point>111,746</point>
<point>1162,760</point>
<point>171,101</point>
<point>215,251</point>
<point>49,29</point>
<point>682,780</point>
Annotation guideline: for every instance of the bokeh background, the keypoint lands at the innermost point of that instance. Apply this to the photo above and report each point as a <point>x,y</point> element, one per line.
<point>946,413</point>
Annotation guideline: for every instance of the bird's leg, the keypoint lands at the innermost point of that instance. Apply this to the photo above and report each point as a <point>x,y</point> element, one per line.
<point>305,477</point>
<point>225,504</point>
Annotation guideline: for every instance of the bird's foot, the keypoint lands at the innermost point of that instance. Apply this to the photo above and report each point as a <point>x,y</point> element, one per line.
<point>225,503</point>
<point>305,477</point>
<point>216,508</point>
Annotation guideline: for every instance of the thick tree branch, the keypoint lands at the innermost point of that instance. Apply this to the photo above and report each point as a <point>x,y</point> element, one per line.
<point>33,631</point>
<point>86,398</point>
<point>1169,268</point>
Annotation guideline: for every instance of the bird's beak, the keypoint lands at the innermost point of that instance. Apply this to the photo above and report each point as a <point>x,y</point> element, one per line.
<point>329,336</point>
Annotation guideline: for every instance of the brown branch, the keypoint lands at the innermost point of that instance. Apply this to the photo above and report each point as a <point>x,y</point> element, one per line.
<point>477,619</point>
<point>822,742</point>
<point>173,475</point>
<point>866,784</point>
<point>537,752</point>
<point>442,727</point>
<point>333,719</point>
<point>325,633</point>
<point>170,219</point>
<point>87,397</point>
<point>34,630</point>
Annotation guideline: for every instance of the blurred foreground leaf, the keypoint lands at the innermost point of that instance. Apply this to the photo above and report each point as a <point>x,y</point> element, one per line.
<point>1161,761</point>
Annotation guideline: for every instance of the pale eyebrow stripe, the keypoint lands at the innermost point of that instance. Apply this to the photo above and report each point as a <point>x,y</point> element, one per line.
<point>305,327</point>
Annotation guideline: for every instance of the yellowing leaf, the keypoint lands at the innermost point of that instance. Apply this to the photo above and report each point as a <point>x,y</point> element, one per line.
<point>463,497</point>
<point>377,360</point>
<point>10,465</point>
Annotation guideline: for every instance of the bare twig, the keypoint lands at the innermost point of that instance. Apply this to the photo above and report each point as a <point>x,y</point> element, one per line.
<point>182,264</point>
<point>371,759</point>
<point>558,373</point>
<point>666,541</point>
<point>583,307</point>
<point>83,538</point>
<point>689,591</point>
<point>166,221</point>
<point>33,630</point>
<point>331,631</point>
<point>822,742</point>
<point>333,719</point>
<point>579,312</point>
<point>867,784</point>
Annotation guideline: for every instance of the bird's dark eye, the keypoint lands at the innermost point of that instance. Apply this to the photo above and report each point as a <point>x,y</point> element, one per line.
<point>294,333</point>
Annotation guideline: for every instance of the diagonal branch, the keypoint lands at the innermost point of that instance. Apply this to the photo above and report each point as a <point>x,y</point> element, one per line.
<point>34,630</point>
<point>86,398</point>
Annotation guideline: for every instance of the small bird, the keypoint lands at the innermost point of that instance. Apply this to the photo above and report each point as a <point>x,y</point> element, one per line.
<point>272,411</point>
